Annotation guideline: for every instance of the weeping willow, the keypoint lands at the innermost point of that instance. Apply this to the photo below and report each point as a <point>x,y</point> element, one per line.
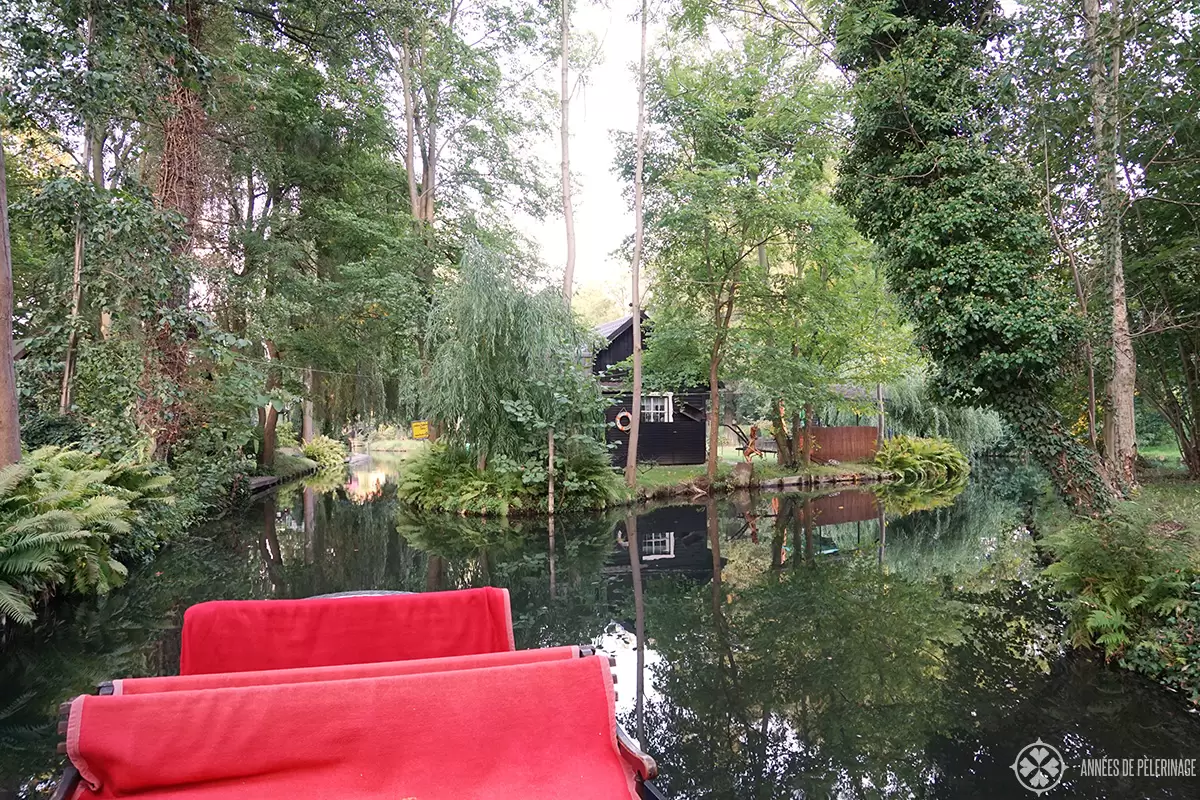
<point>913,410</point>
<point>506,361</point>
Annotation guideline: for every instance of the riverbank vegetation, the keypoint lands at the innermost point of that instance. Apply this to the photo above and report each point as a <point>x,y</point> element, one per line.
<point>935,462</point>
<point>66,520</point>
<point>1130,581</point>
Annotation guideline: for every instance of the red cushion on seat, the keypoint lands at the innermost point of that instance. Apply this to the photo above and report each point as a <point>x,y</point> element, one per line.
<point>244,635</point>
<point>543,730</point>
<point>181,683</point>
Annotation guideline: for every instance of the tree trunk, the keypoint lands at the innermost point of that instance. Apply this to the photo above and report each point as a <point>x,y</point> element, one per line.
<point>550,475</point>
<point>635,426</point>
<point>64,394</point>
<point>881,423</point>
<point>306,408</point>
<point>714,418</point>
<point>177,189</point>
<point>268,417</point>
<point>568,206</point>
<point>786,457</point>
<point>809,431</point>
<point>10,425</point>
<point>93,161</point>
<point>1105,45</point>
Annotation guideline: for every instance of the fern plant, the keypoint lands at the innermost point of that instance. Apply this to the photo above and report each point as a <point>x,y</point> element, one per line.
<point>61,512</point>
<point>1116,576</point>
<point>935,462</point>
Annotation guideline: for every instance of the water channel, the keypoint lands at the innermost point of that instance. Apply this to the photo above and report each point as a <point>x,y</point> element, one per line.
<point>843,645</point>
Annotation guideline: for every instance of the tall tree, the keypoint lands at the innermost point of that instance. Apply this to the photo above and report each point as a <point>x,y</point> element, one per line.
<point>1105,38</point>
<point>957,224</point>
<point>817,327</point>
<point>741,138</point>
<point>10,425</point>
<point>639,238</point>
<point>565,140</point>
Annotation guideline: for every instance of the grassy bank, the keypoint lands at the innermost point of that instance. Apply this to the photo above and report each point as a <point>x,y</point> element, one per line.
<point>1130,583</point>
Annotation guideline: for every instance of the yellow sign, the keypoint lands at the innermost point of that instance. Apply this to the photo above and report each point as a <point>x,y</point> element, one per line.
<point>420,429</point>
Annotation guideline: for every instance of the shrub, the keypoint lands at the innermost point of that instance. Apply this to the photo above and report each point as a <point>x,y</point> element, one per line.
<point>285,434</point>
<point>61,512</point>
<point>446,479</point>
<point>930,461</point>
<point>1118,576</point>
<point>57,429</point>
<point>1170,652</point>
<point>329,453</point>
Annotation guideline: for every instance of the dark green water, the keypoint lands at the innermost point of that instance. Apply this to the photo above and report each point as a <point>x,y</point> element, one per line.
<point>790,646</point>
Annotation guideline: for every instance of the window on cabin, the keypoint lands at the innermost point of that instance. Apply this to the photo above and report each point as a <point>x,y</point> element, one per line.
<point>658,544</point>
<point>658,408</point>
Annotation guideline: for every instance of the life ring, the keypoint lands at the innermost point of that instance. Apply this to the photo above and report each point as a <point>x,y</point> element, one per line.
<point>624,420</point>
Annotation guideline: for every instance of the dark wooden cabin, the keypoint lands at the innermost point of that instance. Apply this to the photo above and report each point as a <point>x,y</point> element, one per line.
<point>672,430</point>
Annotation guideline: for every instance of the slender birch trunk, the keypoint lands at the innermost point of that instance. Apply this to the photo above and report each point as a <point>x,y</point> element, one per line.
<point>564,135</point>
<point>631,457</point>
<point>10,426</point>
<point>714,415</point>
<point>92,162</point>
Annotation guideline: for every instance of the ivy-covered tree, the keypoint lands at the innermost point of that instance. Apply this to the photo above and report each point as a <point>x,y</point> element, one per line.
<point>958,224</point>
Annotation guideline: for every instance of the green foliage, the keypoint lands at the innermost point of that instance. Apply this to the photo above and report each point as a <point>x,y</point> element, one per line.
<point>53,429</point>
<point>1170,651</point>
<point>958,224</point>
<point>742,137</point>
<point>912,408</point>
<point>447,479</point>
<point>329,453</point>
<point>505,365</point>
<point>1119,574</point>
<point>64,514</point>
<point>1159,136</point>
<point>931,462</point>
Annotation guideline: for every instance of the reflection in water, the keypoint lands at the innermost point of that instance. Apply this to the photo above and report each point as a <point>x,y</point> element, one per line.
<point>767,646</point>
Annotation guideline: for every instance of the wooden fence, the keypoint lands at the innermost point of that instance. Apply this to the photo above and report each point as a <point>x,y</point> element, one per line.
<point>844,443</point>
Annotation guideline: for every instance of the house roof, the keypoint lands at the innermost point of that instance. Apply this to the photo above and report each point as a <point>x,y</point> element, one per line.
<point>613,329</point>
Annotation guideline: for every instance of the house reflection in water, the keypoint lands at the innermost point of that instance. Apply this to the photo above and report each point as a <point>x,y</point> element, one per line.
<point>670,539</point>
<point>675,538</point>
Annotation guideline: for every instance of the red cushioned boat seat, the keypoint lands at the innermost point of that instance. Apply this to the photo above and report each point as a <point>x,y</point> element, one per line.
<point>244,635</point>
<point>181,683</point>
<point>542,730</point>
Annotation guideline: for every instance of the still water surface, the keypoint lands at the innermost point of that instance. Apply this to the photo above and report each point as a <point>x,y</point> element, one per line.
<point>769,646</point>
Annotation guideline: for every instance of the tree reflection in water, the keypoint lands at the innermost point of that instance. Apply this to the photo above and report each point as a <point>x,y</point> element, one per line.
<point>770,646</point>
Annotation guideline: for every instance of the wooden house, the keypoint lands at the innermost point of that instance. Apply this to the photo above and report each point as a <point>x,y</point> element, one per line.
<point>673,423</point>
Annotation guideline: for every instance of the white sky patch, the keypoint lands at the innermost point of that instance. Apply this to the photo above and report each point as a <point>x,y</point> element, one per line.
<point>605,102</point>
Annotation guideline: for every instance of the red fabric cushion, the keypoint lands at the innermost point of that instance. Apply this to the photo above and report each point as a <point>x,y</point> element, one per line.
<point>181,683</point>
<point>244,635</point>
<point>543,730</point>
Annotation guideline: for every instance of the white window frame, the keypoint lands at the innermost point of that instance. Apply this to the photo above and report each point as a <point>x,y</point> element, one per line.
<point>655,538</point>
<point>664,414</point>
